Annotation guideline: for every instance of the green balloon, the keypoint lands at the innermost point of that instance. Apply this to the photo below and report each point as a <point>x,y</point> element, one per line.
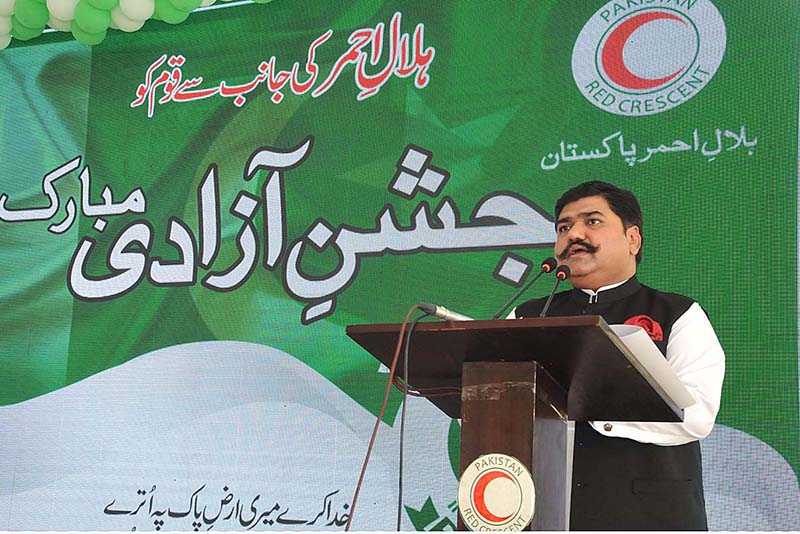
<point>105,5</point>
<point>186,5</point>
<point>87,38</point>
<point>31,13</point>
<point>90,19</point>
<point>22,32</point>
<point>169,13</point>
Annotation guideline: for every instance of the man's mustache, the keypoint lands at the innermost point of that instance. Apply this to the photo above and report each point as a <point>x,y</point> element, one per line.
<point>591,249</point>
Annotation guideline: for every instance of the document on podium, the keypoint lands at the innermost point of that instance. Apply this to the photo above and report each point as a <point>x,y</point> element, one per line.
<point>653,362</point>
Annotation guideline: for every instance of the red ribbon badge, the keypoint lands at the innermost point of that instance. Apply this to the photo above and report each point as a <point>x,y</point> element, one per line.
<point>650,326</point>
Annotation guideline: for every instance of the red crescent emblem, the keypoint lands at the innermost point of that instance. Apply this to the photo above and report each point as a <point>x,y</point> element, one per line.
<point>479,495</point>
<point>611,58</point>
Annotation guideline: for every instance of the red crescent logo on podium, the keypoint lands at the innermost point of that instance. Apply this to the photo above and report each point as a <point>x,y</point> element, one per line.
<point>496,492</point>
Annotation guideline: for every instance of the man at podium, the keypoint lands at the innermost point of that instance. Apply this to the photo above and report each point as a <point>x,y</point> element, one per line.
<point>633,476</point>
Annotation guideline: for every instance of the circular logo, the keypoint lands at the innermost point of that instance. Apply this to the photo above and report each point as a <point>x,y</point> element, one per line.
<point>635,58</point>
<point>496,492</point>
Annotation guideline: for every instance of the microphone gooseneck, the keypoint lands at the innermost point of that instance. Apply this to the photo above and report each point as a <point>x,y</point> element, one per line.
<point>562,273</point>
<point>547,266</point>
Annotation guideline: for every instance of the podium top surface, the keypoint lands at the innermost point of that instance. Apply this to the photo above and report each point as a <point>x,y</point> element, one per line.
<point>603,379</point>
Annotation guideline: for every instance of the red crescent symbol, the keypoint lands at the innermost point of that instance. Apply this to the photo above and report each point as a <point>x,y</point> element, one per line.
<point>612,52</point>
<point>479,496</point>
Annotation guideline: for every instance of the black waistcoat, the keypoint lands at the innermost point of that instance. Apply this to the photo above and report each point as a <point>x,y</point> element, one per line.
<point>618,483</point>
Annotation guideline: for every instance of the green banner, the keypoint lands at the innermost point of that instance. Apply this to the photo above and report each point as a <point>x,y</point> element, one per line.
<point>190,216</point>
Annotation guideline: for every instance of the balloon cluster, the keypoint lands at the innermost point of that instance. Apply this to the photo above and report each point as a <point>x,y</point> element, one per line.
<point>89,20</point>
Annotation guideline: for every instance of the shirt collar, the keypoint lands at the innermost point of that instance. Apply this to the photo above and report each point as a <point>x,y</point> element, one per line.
<point>607,293</point>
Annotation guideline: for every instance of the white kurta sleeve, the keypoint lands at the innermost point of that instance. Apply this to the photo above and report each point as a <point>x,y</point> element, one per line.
<point>694,353</point>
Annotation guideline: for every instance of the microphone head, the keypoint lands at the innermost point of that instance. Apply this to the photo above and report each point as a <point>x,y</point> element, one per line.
<point>562,273</point>
<point>549,264</point>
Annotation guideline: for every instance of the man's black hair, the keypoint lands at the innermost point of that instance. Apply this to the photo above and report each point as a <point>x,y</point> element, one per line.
<point>621,201</point>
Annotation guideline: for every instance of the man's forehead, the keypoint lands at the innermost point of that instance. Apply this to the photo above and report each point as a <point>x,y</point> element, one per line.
<point>586,205</point>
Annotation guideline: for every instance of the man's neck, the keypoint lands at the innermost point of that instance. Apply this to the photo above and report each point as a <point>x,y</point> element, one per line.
<point>602,285</point>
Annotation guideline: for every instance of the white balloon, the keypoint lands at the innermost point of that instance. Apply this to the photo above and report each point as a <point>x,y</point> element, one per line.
<point>206,3</point>
<point>59,24</point>
<point>137,9</point>
<point>124,23</point>
<point>5,25</point>
<point>5,40</point>
<point>62,9</point>
<point>7,9</point>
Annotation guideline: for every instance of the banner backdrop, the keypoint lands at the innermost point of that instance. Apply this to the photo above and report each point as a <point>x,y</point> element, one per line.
<point>191,215</point>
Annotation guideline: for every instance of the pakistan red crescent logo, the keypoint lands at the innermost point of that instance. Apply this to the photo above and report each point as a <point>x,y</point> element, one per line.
<point>612,53</point>
<point>496,492</point>
<point>633,58</point>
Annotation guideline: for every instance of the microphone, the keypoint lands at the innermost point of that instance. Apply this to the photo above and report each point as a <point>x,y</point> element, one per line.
<point>442,313</point>
<point>562,273</point>
<point>547,266</point>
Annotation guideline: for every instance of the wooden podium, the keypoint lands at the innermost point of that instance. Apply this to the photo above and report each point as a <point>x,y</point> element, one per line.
<point>516,384</point>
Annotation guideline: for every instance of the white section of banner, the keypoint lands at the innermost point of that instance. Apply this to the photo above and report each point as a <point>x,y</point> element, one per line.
<point>228,435</point>
<point>748,485</point>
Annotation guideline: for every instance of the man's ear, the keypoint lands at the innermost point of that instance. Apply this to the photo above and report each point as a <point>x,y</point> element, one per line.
<point>634,239</point>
